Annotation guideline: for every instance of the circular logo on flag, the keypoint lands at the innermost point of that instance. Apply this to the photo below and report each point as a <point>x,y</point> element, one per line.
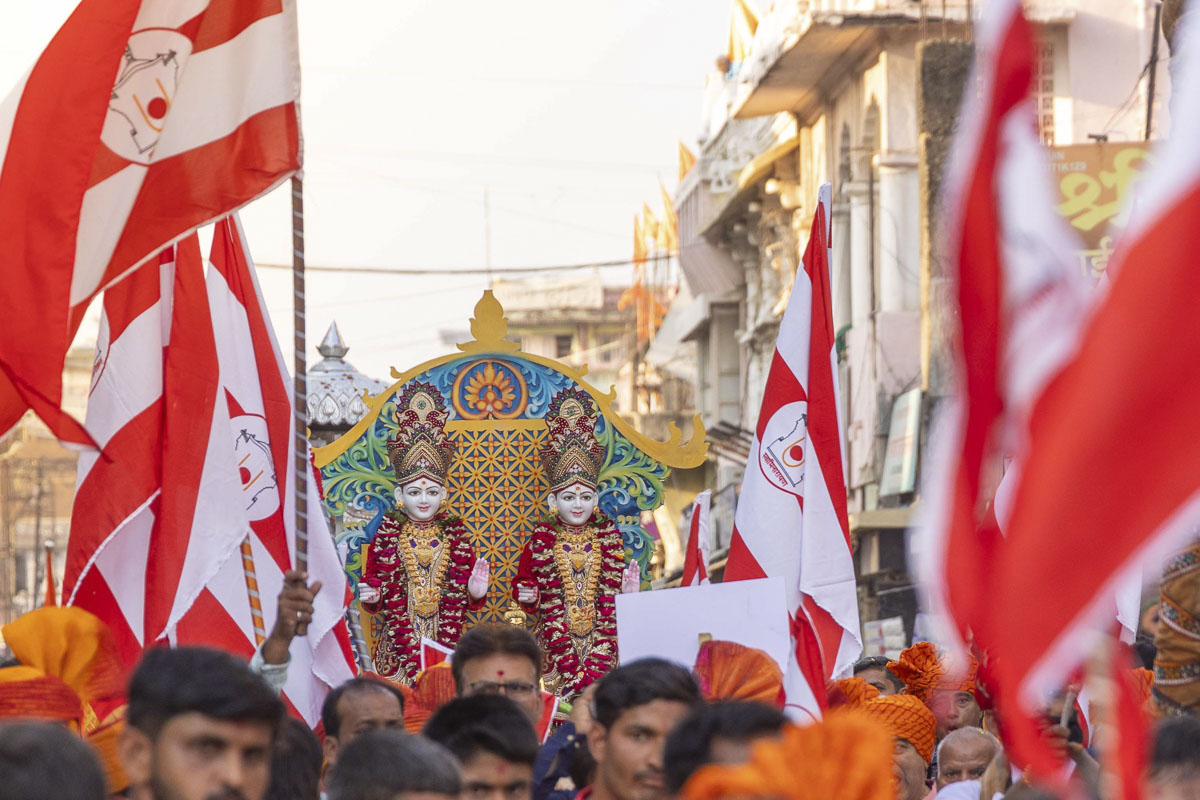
<point>781,451</point>
<point>252,454</point>
<point>144,92</point>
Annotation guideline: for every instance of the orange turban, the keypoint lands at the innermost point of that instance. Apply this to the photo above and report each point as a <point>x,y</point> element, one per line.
<point>852,693</point>
<point>905,717</point>
<point>730,671</point>
<point>433,688</point>
<point>27,693</point>
<point>845,756</point>
<point>70,671</point>
<point>925,670</point>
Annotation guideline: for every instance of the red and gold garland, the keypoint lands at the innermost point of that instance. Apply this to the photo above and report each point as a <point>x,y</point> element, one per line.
<point>385,568</point>
<point>573,673</point>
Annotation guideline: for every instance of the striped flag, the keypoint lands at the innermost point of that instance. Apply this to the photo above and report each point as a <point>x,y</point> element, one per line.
<point>141,120</point>
<point>188,543</point>
<point>1122,413</point>
<point>695,560</point>
<point>791,518</point>
<point>1020,302</point>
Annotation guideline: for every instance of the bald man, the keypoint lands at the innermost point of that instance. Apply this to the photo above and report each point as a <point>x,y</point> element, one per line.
<point>963,755</point>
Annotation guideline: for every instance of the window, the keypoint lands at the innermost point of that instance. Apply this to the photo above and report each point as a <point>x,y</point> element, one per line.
<point>562,345</point>
<point>608,347</point>
<point>1043,84</point>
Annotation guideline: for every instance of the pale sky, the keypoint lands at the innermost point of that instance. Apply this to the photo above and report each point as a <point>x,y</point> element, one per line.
<point>568,111</point>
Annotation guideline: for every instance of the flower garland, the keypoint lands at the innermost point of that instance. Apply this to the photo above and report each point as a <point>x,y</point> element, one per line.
<point>573,673</point>
<point>397,653</point>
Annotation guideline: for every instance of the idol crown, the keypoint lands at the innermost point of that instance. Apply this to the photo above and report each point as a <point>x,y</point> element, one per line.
<point>571,453</point>
<point>420,448</point>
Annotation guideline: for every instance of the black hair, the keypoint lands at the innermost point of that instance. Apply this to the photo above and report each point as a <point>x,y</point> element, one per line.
<point>295,764</point>
<point>878,662</point>
<point>383,764</point>
<point>489,723</point>
<point>45,761</point>
<point>331,718</point>
<point>489,639</point>
<point>641,682</point>
<point>169,682</point>
<point>1176,754</point>
<point>689,746</point>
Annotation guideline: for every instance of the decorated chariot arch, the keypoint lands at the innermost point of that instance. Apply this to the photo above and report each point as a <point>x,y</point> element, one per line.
<point>495,398</point>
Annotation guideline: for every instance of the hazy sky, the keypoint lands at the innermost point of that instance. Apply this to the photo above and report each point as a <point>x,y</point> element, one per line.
<point>567,111</point>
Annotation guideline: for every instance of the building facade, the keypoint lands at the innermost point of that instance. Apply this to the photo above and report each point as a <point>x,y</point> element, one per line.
<point>835,91</point>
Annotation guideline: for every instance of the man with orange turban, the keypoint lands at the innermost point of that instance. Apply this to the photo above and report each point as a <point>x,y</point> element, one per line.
<point>69,671</point>
<point>914,730</point>
<point>951,692</point>
<point>731,671</point>
<point>845,756</point>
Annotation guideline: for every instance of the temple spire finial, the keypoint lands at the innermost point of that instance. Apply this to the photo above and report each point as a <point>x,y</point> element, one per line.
<point>332,345</point>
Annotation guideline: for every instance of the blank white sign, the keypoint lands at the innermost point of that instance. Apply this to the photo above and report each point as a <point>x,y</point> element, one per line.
<point>668,623</point>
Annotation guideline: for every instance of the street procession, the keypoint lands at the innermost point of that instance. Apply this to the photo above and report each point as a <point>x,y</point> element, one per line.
<point>863,475</point>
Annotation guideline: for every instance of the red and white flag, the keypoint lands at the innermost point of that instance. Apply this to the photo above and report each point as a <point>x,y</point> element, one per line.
<point>1092,420</point>
<point>141,120</point>
<point>695,559</point>
<point>1120,413</point>
<point>791,518</point>
<point>1020,302</point>
<point>184,532</point>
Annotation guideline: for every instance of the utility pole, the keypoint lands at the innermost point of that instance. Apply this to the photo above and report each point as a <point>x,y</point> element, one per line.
<point>7,559</point>
<point>487,235</point>
<point>39,489</point>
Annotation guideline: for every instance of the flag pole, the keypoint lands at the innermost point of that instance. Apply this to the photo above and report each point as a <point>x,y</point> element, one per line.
<point>300,399</point>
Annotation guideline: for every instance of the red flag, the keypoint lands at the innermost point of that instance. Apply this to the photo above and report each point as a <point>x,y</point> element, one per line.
<point>791,518</point>
<point>141,120</point>
<point>695,559</point>
<point>174,569</point>
<point>1120,409</point>
<point>1019,302</point>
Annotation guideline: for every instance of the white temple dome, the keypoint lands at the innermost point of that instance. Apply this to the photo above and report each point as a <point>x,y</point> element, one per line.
<point>335,389</point>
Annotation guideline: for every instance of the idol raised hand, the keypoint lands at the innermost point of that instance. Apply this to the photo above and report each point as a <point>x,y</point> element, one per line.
<point>631,579</point>
<point>477,584</point>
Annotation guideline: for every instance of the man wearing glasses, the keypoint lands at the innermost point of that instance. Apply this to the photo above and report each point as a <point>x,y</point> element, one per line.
<point>501,659</point>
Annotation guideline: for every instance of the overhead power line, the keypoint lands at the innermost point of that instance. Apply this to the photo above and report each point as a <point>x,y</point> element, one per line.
<point>628,262</point>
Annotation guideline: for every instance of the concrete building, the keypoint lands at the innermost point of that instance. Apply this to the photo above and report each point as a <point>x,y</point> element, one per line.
<point>37,493</point>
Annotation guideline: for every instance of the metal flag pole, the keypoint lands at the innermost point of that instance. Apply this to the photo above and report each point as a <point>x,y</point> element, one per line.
<point>300,398</point>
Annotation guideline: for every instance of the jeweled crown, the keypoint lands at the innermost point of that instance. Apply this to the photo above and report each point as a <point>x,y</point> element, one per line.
<point>420,448</point>
<point>571,453</point>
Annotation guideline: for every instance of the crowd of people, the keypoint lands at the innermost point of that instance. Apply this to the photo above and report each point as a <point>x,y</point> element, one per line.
<point>201,724</point>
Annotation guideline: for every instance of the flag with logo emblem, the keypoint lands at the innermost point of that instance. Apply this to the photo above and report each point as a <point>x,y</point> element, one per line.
<point>183,523</point>
<point>141,120</point>
<point>791,518</point>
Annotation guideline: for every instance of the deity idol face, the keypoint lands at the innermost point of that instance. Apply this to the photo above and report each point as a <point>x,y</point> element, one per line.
<point>421,498</point>
<point>574,504</point>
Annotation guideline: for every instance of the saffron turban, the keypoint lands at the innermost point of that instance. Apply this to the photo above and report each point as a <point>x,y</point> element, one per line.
<point>27,693</point>
<point>730,671</point>
<point>925,671</point>
<point>851,693</point>
<point>905,717</point>
<point>845,756</point>
<point>70,672</point>
<point>433,688</point>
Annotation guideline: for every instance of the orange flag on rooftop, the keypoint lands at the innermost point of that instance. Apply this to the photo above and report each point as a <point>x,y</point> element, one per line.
<point>687,160</point>
<point>650,226</point>
<point>670,221</point>
<point>639,241</point>
<point>743,22</point>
